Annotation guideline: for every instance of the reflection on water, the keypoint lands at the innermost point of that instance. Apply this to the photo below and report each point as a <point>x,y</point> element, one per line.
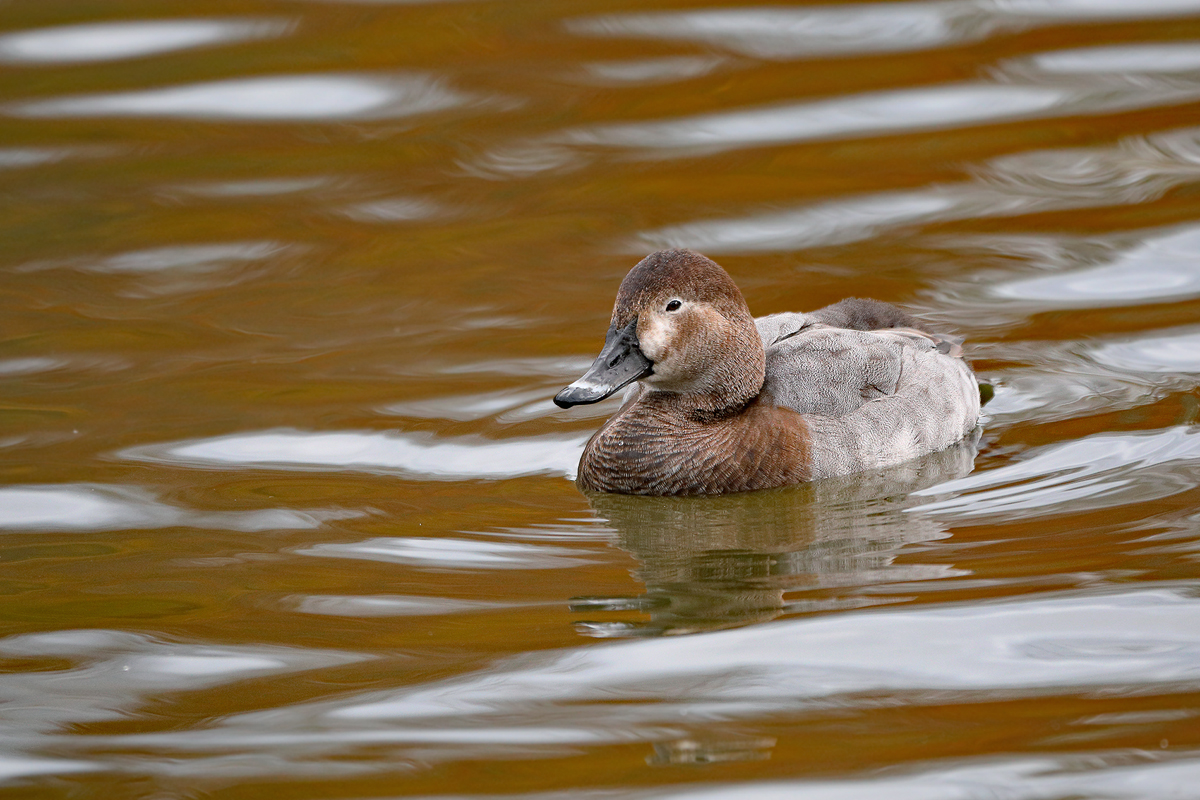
<point>94,507</point>
<point>658,70</point>
<point>1178,57</point>
<point>116,40</point>
<point>721,562</point>
<point>869,114</point>
<point>1137,170</point>
<point>1158,268</point>
<point>1098,10</point>
<point>858,28</point>
<point>288,287</point>
<point>1097,472</point>
<point>1173,351</point>
<point>444,553</point>
<point>416,455</point>
<point>786,33</point>
<point>264,99</point>
<point>1116,777</point>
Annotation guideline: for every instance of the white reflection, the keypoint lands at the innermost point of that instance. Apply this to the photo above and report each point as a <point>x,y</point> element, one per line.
<point>651,70</point>
<point>196,257</point>
<point>266,187</point>
<point>875,113</point>
<point>829,223</point>
<point>1161,268</point>
<point>780,33</point>
<point>1097,10</point>
<point>1136,170</point>
<point>29,365</point>
<point>108,41</point>
<point>392,209</point>
<point>519,403</point>
<point>12,767</point>
<point>523,159</point>
<point>549,367</point>
<point>1101,471</point>
<point>855,28</point>
<point>101,507</point>
<point>1062,388</point>
<point>646,690</point>
<point>111,673</point>
<point>1141,58</point>
<point>1136,639</point>
<point>442,553</point>
<point>387,605</point>
<point>18,157</point>
<point>409,454</point>
<point>1168,352</point>
<point>203,665</point>
<point>177,268</point>
<point>1123,776</point>
<point>280,97</point>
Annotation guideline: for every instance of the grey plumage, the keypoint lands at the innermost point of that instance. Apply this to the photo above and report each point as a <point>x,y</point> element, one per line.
<point>872,397</point>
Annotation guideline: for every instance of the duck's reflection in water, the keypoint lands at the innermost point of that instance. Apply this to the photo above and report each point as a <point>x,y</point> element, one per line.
<point>719,562</point>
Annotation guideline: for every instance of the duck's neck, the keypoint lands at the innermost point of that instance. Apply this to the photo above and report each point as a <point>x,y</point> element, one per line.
<point>726,387</point>
<point>697,409</point>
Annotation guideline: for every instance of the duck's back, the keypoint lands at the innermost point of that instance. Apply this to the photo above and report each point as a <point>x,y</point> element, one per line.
<point>870,398</point>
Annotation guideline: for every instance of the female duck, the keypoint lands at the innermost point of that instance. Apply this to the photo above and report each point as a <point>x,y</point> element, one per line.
<point>728,403</point>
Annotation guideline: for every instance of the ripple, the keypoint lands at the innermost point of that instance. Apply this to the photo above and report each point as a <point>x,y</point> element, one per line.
<point>875,113</point>
<point>787,33</point>
<point>1136,170</point>
<point>19,157</point>
<point>112,673</point>
<point>387,605</point>
<point>649,71</point>
<point>1062,389</point>
<point>393,209</point>
<point>109,41</point>
<point>29,766</point>
<point>548,367</point>
<point>410,454</point>
<point>1147,639</point>
<point>185,258</point>
<point>103,507</point>
<point>202,257</point>
<point>264,99</point>
<point>649,690</point>
<point>30,365</point>
<point>823,224</point>
<point>265,187</point>
<point>1098,776</point>
<point>177,269</point>
<point>509,404</point>
<point>1098,10</point>
<point>1101,471</point>
<point>1170,352</point>
<point>1165,267</point>
<point>1140,58</point>
<point>444,553</point>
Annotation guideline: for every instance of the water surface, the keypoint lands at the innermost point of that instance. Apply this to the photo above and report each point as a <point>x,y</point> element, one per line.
<point>286,510</point>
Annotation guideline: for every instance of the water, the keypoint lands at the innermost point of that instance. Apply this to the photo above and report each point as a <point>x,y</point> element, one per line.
<point>284,503</point>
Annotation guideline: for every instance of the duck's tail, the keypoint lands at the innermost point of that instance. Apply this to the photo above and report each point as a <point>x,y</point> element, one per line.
<point>865,314</point>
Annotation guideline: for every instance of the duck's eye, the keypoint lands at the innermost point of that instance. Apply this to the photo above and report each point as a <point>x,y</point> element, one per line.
<point>674,305</point>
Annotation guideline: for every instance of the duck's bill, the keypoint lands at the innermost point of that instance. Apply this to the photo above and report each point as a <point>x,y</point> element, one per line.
<point>619,364</point>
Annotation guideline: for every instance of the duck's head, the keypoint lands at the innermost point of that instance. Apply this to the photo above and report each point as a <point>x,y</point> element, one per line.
<point>680,325</point>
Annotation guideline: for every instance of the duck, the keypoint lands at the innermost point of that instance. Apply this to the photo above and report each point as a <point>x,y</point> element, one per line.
<point>722,402</point>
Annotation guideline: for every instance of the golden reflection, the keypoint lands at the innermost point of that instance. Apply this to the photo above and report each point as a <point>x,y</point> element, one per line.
<point>720,562</point>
